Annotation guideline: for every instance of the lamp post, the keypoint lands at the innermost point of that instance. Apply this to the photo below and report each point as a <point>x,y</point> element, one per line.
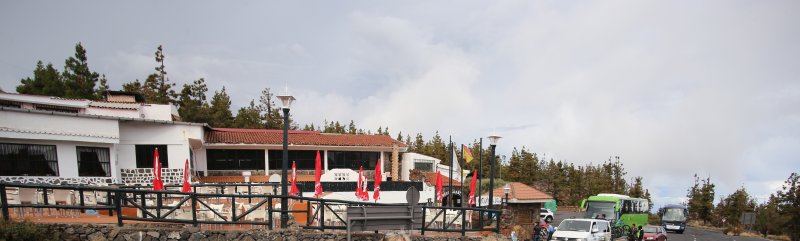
<point>493,144</point>
<point>286,101</point>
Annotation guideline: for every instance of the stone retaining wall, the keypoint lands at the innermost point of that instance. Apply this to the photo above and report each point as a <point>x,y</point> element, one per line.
<point>144,176</point>
<point>93,181</point>
<point>168,232</point>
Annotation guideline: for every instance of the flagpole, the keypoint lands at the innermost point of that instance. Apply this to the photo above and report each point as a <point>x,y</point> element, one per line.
<point>461,169</point>
<point>450,184</point>
<point>480,169</point>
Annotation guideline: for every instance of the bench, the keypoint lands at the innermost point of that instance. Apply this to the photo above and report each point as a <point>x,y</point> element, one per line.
<point>374,218</point>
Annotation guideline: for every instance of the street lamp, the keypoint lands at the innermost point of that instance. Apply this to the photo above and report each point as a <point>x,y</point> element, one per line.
<point>507,190</point>
<point>493,144</point>
<point>286,101</point>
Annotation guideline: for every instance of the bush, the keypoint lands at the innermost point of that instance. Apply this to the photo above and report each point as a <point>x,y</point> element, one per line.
<point>13,230</point>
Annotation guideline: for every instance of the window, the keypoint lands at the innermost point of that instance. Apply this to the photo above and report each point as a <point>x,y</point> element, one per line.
<point>235,159</point>
<point>28,160</point>
<point>353,159</point>
<point>303,159</point>
<point>93,161</point>
<point>424,165</point>
<point>144,156</point>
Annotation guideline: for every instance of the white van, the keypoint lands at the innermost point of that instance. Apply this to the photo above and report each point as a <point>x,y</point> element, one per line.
<point>583,229</point>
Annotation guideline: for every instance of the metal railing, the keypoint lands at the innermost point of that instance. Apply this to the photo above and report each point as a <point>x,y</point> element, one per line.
<point>243,206</point>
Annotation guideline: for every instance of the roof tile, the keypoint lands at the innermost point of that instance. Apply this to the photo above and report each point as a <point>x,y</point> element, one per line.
<point>296,137</point>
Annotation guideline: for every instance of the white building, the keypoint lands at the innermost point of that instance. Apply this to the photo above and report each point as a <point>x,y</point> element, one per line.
<point>56,140</point>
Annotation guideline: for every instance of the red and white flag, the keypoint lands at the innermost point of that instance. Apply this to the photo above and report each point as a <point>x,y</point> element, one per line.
<point>158,184</point>
<point>317,177</point>
<point>439,195</point>
<point>294,191</point>
<point>361,187</point>
<point>377,185</point>
<point>472,188</point>
<point>186,186</point>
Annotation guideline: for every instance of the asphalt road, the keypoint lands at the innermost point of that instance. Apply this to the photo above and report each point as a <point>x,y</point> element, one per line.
<point>691,234</point>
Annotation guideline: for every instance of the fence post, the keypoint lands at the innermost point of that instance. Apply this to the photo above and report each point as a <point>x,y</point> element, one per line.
<point>249,193</point>
<point>308,210</point>
<point>80,194</point>
<point>144,215</point>
<point>158,205</point>
<point>118,206</point>
<point>44,192</point>
<point>424,215</point>
<point>108,202</point>
<point>233,209</point>
<point>4,200</point>
<point>463,222</point>
<point>497,221</point>
<point>269,212</point>
<point>194,208</point>
<point>321,208</point>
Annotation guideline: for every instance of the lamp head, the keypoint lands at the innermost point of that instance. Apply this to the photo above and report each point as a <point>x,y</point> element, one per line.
<point>493,139</point>
<point>286,100</point>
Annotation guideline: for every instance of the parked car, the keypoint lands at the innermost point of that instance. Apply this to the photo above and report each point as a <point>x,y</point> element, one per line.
<point>583,229</point>
<point>655,233</point>
<point>546,215</point>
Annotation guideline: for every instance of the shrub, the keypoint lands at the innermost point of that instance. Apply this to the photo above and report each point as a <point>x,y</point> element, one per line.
<point>14,230</point>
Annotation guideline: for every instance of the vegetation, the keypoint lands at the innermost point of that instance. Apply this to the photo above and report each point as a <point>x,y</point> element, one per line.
<point>14,230</point>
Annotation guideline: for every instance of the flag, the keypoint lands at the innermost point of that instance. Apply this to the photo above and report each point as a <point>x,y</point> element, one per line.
<point>457,165</point>
<point>439,195</point>
<point>294,191</point>
<point>472,188</point>
<point>377,185</point>
<point>186,186</point>
<point>157,183</point>
<point>317,177</point>
<point>361,186</point>
<point>467,153</point>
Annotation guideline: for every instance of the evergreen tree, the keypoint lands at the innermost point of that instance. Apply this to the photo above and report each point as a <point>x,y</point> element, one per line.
<point>768,219</point>
<point>701,199</point>
<point>270,113</point>
<point>789,205</point>
<point>733,206</point>
<point>193,106</point>
<point>220,112</point>
<point>351,128</point>
<point>248,117</point>
<point>79,81</point>
<point>161,86</point>
<point>100,93</point>
<point>46,81</point>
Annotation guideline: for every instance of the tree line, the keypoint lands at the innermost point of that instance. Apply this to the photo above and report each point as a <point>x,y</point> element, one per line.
<point>779,215</point>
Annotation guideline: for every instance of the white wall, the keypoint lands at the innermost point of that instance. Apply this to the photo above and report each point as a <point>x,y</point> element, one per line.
<point>158,112</point>
<point>175,136</point>
<point>408,163</point>
<point>57,127</point>
<point>67,154</point>
<point>129,113</point>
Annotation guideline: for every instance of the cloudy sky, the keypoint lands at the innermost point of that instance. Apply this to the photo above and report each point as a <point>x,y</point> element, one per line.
<point>672,87</point>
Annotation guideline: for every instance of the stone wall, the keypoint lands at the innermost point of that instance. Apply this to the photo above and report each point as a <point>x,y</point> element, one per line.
<point>144,176</point>
<point>94,181</point>
<point>165,232</point>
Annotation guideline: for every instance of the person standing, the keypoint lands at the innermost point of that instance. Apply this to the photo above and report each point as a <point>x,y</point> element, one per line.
<point>632,233</point>
<point>537,231</point>
<point>550,231</point>
<point>640,233</point>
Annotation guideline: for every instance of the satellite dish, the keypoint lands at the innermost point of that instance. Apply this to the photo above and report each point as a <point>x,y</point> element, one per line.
<point>412,196</point>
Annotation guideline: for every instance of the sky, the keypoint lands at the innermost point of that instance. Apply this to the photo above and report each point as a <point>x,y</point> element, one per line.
<point>674,88</point>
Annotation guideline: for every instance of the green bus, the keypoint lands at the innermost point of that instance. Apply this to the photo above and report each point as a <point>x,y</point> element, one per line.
<point>620,210</point>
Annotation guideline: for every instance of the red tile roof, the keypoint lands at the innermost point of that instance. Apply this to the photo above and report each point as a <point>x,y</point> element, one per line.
<point>296,137</point>
<point>430,179</point>
<point>522,192</point>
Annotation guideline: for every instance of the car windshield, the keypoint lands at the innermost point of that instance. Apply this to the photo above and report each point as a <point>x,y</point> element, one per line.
<point>574,225</point>
<point>598,209</point>
<point>650,230</point>
<point>674,214</point>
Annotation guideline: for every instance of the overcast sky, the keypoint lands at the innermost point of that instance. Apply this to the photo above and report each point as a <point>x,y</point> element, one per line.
<point>672,87</point>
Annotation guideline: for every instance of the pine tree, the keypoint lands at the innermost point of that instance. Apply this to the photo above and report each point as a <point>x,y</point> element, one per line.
<point>162,86</point>
<point>220,112</point>
<point>100,93</point>
<point>270,114</point>
<point>789,205</point>
<point>193,106</point>
<point>351,128</point>
<point>78,79</point>
<point>46,81</point>
<point>248,117</point>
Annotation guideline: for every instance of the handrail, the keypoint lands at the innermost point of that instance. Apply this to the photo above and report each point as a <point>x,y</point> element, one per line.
<point>137,197</point>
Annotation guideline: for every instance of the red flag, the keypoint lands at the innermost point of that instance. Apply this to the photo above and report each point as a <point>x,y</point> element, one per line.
<point>439,195</point>
<point>472,188</point>
<point>360,185</point>
<point>317,177</point>
<point>186,186</point>
<point>377,185</point>
<point>294,191</point>
<point>157,183</point>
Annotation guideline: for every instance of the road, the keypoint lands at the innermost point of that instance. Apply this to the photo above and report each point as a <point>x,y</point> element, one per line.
<point>691,234</point>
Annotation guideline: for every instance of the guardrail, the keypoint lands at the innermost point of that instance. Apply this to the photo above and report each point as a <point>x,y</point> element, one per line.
<point>238,208</point>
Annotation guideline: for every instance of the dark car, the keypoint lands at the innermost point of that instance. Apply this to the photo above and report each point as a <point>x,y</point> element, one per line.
<point>655,233</point>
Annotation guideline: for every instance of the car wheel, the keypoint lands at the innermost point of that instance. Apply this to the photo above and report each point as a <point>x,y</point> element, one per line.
<point>548,219</point>
<point>679,232</point>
